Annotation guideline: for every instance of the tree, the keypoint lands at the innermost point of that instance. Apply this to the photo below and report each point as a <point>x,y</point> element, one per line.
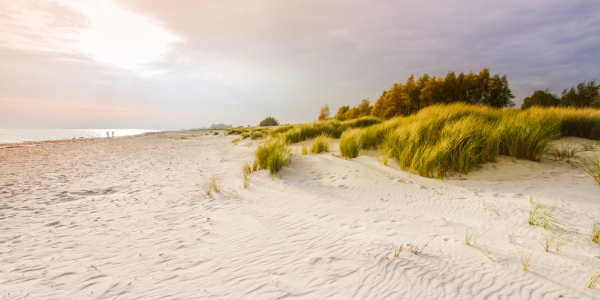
<point>364,108</point>
<point>497,93</point>
<point>269,121</point>
<point>540,98</point>
<point>340,116</point>
<point>451,93</point>
<point>324,115</point>
<point>377,109</point>
<point>586,95</point>
<point>352,113</point>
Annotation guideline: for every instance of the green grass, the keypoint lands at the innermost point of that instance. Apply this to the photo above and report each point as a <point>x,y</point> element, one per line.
<point>441,140</point>
<point>321,144</point>
<point>457,138</point>
<point>523,136</point>
<point>350,143</point>
<point>546,245</point>
<point>542,217</point>
<point>591,165</point>
<point>563,153</point>
<point>272,154</point>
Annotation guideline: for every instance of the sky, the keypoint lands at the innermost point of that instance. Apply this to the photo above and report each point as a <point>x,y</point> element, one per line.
<point>176,64</point>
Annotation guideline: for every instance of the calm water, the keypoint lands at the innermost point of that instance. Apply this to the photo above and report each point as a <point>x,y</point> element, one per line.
<point>27,135</point>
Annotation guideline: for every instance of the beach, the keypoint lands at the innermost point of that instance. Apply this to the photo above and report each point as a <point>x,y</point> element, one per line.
<point>130,218</point>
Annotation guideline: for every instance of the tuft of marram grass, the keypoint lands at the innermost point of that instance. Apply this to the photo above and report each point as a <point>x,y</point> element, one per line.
<point>563,152</point>
<point>321,144</point>
<point>212,186</point>
<point>595,236</point>
<point>304,149</point>
<point>523,136</point>
<point>591,165</point>
<point>272,154</point>
<point>594,279</point>
<point>526,259</point>
<point>350,143</point>
<point>246,170</point>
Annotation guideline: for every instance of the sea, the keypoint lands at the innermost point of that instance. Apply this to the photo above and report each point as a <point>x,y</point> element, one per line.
<point>34,135</point>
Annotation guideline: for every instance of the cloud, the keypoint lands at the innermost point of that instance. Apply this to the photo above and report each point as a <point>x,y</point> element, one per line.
<point>239,61</point>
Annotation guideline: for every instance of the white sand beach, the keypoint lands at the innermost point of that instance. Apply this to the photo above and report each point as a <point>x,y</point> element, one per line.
<point>128,218</point>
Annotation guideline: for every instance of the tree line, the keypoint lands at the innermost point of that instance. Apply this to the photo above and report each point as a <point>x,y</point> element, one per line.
<point>403,99</point>
<point>582,96</point>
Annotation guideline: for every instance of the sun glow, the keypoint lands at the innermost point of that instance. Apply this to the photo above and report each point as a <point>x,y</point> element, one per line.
<point>122,38</point>
<point>101,30</point>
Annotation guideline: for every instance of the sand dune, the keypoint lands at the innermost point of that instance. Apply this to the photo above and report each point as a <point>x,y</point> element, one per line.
<point>128,218</point>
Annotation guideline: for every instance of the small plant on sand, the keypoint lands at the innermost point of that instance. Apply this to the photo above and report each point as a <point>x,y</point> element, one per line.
<point>246,170</point>
<point>546,245</point>
<point>212,187</point>
<point>588,146</point>
<point>398,250</point>
<point>216,133</point>
<point>415,249</point>
<point>596,232</point>
<point>591,165</point>
<point>563,152</point>
<point>383,156</point>
<point>526,259</point>
<point>321,144</point>
<point>559,243</point>
<point>471,236</point>
<point>542,217</point>
<point>594,279</point>
<point>184,137</point>
<point>304,149</point>
<point>511,236</point>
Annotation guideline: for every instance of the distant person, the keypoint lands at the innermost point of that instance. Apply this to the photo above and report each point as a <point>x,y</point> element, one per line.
<point>107,134</point>
<point>113,134</point>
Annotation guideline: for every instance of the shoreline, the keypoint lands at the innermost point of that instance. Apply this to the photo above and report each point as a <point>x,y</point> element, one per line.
<point>75,138</point>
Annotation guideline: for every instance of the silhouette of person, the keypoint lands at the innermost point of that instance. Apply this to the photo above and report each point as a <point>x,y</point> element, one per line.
<point>113,134</point>
<point>107,135</point>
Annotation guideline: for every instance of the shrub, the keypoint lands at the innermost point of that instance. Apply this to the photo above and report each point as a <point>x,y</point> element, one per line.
<point>321,144</point>
<point>269,121</point>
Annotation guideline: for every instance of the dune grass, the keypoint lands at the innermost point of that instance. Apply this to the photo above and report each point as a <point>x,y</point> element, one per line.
<point>595,236</point>
<point>212,187</point>
<point>350,143</point>
<point>320,144</point>
<point>591,165</point>
<point>447,139</point>
<point>246,170</point>
<point>526,259</point>
<point>563,152</point>
<point>594,279</point>
<point>272,154</point>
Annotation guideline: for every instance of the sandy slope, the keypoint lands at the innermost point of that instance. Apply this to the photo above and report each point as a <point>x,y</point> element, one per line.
<point>128,218</point>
